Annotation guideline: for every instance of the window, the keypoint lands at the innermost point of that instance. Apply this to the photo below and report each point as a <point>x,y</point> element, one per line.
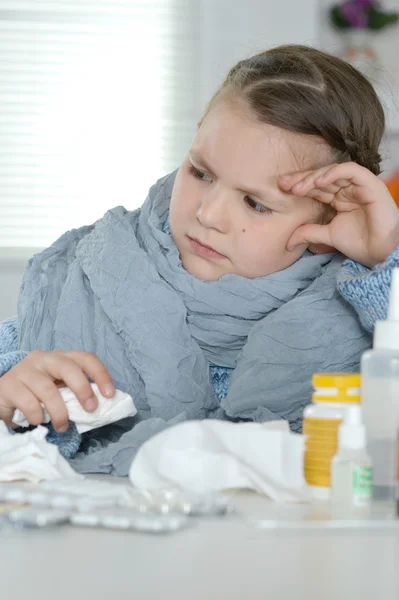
<point>97,101</point>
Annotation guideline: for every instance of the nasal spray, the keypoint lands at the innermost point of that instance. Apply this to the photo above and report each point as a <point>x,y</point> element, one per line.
<point>380,399</point>
<point>351,468</point>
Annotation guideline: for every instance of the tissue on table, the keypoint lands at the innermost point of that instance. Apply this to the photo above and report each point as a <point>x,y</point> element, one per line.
<point>109,410</point>
<point>212,455</point>
<point>28,456</point>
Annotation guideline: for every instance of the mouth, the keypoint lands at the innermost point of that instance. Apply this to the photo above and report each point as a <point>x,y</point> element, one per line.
<point>203,250</point>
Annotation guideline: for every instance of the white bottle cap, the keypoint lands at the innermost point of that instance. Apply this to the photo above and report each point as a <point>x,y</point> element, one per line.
<point>386,333</point>
<point>352,432</point>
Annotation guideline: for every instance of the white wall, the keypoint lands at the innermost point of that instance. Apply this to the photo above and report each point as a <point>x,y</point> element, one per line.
<point>11,270</point>
<point>10,280</point>
<point>235,30</point>
<point>231,31</point>
<point>386,45</point>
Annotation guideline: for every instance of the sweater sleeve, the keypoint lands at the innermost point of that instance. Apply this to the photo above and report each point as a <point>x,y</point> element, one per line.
<point>367,290</point>
<point>9,353</point>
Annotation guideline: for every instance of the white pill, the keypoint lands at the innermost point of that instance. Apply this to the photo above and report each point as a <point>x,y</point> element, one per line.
<point>84,519</point>
<point>87,488</point>
<point>116,521</point>
<point>35,517</point>
<point>86,504</point>
<point>39,498</point>
<point>61,501</point>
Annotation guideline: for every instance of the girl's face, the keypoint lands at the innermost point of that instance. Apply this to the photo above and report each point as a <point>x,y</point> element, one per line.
<point>227,212</point>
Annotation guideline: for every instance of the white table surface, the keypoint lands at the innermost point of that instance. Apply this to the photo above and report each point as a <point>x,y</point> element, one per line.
<point>224,558</point>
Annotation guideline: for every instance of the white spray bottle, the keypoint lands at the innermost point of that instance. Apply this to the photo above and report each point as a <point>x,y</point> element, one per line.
<point>380,398</point>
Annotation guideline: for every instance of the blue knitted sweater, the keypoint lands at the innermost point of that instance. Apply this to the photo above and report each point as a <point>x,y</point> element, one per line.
<point>367,290</point>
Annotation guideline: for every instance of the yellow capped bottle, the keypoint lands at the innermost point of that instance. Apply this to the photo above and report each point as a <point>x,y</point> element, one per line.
<point>332,393</point>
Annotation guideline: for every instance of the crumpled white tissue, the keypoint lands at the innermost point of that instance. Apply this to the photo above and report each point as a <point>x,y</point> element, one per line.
<point>212,455</point>
<point>109,410</point>
<point>28,456</point>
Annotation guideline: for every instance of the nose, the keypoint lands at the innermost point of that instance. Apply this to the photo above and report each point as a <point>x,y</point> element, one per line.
<point>213,212</point>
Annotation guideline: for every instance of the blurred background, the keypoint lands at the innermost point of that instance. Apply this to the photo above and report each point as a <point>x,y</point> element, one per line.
<point>100,98</point>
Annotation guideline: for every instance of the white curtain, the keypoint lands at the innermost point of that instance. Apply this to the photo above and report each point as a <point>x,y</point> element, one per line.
<point>98,99</point>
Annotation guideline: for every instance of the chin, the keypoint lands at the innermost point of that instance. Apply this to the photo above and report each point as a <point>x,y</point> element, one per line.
<point>201,269</point>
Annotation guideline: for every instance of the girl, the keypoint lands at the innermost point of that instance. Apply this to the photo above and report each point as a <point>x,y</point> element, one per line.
<point>218,298</point>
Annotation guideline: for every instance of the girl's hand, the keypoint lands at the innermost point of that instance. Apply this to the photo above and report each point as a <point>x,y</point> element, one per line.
<point>366,226</point>
<point>34,380</point>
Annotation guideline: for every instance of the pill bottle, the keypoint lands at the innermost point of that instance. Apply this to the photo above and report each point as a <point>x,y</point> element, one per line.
<point>332,394</point>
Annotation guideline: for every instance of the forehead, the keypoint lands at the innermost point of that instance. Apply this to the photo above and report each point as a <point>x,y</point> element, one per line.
<point>229,136</point>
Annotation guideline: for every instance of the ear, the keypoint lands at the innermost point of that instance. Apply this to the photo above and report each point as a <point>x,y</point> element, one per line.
<point>320,249</point>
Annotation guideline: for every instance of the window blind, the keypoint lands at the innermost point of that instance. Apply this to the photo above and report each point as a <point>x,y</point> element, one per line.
<point>97,101</point>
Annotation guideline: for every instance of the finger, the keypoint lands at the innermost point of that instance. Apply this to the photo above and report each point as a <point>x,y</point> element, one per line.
<point>309,234</point>
<point>343,174</point>
<point>61,366</point>
<point>325,196</point>
<point>322,193</point>
<point>94,368</point>
<point>44,390</point>
<point>286,182</point>
<point>321,196</point>
<point>22,398</point>
<point>334,187</point>
<point>353,173</point>
<point>297,181</point>
<point>310,182</point>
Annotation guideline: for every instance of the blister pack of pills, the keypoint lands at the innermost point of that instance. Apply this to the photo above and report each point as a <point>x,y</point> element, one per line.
<point>117,518</point>
<point>37,517</point>
<point>126,518</point>
<point>94,503</point>
<point>210,504</point>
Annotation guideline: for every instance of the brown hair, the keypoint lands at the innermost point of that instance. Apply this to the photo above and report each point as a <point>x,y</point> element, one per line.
<point>304,90</point>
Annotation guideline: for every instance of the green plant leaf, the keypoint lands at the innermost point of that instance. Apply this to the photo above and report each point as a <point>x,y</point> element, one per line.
<point>337,19</point>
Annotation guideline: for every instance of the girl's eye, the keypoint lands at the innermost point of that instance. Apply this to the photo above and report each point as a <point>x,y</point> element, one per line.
<point>199,174</point>
<point>255,206</point>
<point>250,202</point>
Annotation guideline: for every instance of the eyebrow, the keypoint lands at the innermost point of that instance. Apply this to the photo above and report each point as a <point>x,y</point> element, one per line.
<point>248,190</point>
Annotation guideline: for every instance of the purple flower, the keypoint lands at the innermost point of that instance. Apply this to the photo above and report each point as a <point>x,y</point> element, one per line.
<point>365,4</point>
<point>354,14</point>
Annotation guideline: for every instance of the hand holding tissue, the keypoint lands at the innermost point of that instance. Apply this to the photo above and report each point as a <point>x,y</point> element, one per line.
<point>212,455</point>
<point>109,410</point>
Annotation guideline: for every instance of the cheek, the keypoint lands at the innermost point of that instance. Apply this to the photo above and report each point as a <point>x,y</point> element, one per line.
<point>271,236</point>
<point>177,193</point>
<point>184,194</point>
<point>264,247</point>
